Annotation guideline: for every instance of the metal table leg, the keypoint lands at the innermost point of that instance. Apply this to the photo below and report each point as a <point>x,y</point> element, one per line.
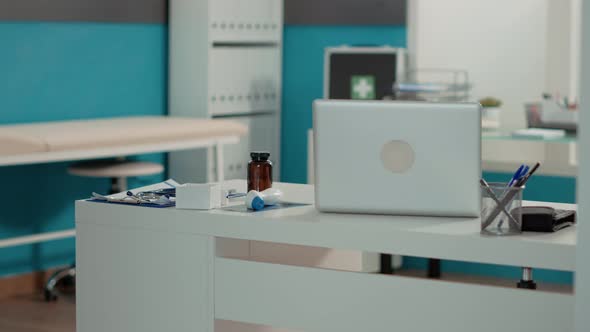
<point>434,268</point>
<point>386,265</point>
<point>527,281</point>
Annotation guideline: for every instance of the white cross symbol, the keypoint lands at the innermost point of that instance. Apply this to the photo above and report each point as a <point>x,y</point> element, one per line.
<point>363,88</point>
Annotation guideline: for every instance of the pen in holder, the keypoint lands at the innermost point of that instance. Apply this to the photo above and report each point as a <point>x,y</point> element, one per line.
<point>501,209</point>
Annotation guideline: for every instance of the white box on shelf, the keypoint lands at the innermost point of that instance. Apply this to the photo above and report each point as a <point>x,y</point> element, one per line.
<point>198,196</point>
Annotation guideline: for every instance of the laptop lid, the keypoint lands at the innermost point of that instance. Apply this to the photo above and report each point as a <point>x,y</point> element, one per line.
<point>404,158</point>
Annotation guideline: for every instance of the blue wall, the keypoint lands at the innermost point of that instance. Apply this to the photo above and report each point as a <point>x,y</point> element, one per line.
<point>58,71</point>
<point>303,71</point>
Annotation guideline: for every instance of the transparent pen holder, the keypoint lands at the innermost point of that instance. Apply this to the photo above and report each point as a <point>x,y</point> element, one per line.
<point>501,209</point>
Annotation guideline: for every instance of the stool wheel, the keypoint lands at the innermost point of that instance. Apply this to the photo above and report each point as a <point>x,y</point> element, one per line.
<point>50,296</point>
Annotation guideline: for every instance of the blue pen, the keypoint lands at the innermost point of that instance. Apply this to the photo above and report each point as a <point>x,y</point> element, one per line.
<point>523,173</point>
<point>520,173</point>
<point>517,175</point>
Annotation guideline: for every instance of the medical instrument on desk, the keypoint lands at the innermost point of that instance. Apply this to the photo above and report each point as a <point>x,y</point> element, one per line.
<point>256,200</point>
<point>168,192</point>
<point>126,199</point>
<point>135,199</point>
<point>163,195</point>
<point>153,197</point>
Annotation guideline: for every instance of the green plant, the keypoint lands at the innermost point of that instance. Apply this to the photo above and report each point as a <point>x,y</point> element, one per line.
<point>490,102</point>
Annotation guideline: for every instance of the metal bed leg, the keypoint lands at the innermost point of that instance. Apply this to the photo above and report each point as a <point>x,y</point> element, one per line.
<point>219,162</point>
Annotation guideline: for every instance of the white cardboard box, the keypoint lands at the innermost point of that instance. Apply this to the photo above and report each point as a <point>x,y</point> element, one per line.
<point>198,196</point>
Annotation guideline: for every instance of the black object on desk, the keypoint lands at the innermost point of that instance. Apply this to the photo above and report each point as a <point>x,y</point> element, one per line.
<point>546,219</point>
<point>542,219</point>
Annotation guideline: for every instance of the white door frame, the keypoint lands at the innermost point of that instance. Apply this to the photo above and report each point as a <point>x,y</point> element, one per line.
<point>582,279</point>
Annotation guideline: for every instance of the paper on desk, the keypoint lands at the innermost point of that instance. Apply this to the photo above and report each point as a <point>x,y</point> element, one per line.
<point>539,133</point>
<point>124,199</point>
<point>170,183</point>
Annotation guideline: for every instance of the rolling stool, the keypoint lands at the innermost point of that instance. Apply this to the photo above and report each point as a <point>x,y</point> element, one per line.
<point>116,170</point>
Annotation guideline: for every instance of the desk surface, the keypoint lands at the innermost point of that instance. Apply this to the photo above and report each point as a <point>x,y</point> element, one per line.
<point>445,238</point>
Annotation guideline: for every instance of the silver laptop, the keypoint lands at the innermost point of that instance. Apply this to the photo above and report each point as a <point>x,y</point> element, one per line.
<point>403,158</point>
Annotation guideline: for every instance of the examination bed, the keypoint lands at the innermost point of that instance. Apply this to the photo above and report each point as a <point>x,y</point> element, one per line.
<point>36,143</point>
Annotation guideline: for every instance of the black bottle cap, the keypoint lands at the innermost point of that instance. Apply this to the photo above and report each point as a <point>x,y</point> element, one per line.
<point>260,155</point>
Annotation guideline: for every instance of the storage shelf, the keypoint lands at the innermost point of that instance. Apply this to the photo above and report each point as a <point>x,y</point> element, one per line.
<point>226,61</point>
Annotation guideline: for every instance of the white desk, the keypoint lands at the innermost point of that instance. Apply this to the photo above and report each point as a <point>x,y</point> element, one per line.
<point>142,269</point>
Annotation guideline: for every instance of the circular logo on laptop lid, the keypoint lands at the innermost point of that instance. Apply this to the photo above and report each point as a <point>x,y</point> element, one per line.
<point>397,156</point>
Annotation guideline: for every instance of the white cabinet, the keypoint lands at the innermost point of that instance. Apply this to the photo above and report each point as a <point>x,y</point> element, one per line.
<point>225,61</point>
<point>246,21</point>
<point>262,137</point>
<point>244,80</point>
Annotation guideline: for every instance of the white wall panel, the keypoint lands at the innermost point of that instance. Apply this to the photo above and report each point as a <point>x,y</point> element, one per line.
<point>583,264</point>
<point>502,43</point>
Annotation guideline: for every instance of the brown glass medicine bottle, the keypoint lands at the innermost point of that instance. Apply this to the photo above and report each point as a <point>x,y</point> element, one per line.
<point>259,171</point>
